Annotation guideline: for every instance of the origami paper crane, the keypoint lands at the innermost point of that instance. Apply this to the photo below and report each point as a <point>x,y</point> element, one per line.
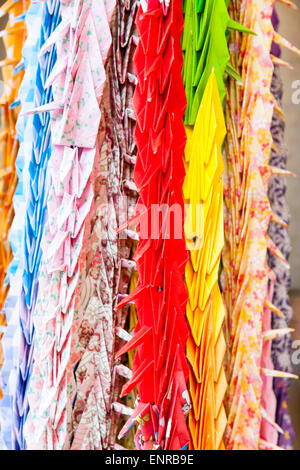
<point>246,277</point>
<point>160,368</point>
<point>203,190</point>
<point>12,72</point>
<point>204,43</point>
<point>109,269</point>
<point>281,345</point>
<point>33,156</point>
<point>82,40</point>
<point>107,89</point>
<point>206,59</point>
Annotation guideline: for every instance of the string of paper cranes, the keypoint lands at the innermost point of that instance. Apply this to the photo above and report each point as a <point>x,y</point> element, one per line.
<point>113,336</point>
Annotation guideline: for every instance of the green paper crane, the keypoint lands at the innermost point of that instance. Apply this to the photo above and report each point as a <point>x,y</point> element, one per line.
<point>204,44</point>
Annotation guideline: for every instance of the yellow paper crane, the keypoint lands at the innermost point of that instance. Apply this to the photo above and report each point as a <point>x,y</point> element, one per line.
<point>203,193</point>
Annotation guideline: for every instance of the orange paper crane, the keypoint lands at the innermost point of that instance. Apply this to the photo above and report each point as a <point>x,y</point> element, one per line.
<point>14,37</point>
<point>246,277</point>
